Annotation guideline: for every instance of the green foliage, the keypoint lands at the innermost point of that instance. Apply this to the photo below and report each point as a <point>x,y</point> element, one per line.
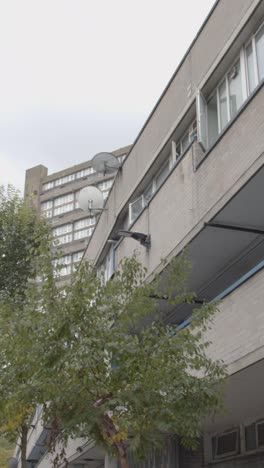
<point>25,254</point>
<point>22,245</point>
<point>128,378</point>
<point>6,452</point>
<point>100,354</point>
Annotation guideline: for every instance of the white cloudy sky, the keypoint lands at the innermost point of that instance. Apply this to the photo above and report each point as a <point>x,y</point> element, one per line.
<point>81,76</point>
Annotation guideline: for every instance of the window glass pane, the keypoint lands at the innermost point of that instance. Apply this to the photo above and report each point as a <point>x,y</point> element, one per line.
<point>212,120</point>
<point>185,142</point>
<point>223,104</point>
<point>250,68</point>
<point>227,443</point>
<point>83,233</point>
<point>48,185</point>
<point>135,208</point>
<point>77,256</point>
<point>202,115</point>
<point>62,229</point>
<point>162,174</point>
<point>178,150</point>
<point>66,260</point>
<point>47,214</point>
<point>235,89</point>
<point>65,271</point>
<point>148,192</point>
<point>63,209</point>
<point>260,434</point>
<point>46,205</point>
<point>250,436</point>
<point>65,199</point>
<point>58,182</point>
<point>260,52</point>
<point>83,223</point>
<point>64,239</point>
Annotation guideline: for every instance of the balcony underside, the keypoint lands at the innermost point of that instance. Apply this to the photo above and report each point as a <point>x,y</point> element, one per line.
<point>222,254</point>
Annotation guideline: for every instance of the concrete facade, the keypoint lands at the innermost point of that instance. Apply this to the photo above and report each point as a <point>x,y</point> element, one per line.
<point>41,189</point>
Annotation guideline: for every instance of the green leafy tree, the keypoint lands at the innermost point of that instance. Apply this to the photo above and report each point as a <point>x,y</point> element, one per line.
<point>6,451</point>
<point>127,379</point>
<point>27,288</point>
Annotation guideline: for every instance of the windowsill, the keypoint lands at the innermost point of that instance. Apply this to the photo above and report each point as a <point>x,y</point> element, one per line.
<point>239,456</point>
<point>231,122</point>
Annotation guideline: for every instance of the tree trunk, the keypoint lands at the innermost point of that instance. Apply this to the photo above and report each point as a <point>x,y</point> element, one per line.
<point>120,445</point>
<point>123,460</point>
<point>24,433</point>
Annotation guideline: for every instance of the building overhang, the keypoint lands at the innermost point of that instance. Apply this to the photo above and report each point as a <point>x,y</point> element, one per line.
<point>228,247</point>
<point>243,399</point>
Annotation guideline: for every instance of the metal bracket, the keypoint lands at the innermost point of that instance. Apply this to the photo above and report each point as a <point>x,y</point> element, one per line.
<point>235,228</point>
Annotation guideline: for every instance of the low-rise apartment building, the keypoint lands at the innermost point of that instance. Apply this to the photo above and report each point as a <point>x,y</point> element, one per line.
<point>194,180</point>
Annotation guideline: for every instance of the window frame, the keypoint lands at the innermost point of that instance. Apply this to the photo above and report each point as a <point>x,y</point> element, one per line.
<point>226,454</point>
<point>258,447</point>
<point>241,57</point>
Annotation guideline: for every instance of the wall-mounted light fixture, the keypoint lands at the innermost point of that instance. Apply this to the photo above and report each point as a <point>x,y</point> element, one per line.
<point>144,239</point>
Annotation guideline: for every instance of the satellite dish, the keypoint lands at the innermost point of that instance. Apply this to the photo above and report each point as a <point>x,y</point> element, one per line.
<point>91,200</point>
<point>105,163</point>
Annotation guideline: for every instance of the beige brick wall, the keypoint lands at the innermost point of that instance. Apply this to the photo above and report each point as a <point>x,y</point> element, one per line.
<point>204,53</point>
<point>187,199</point>
<point>238,328</point>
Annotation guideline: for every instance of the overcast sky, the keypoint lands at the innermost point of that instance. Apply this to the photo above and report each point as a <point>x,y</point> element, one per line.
<point>81,76</point>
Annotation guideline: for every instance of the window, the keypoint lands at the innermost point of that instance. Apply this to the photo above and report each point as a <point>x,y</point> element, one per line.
<point>162,174</point>
<point>48,186</point>
<point>85,172</point>
<point>77,256</point>
<point>47,214</point>
<point>254,436</point>
<point>212,119</point>
<point>62,229</point>
<point>84,223</point>
<point>64,239</point>
<point>135,208</point>
<point>65,179</point>
<point>259,39</point>
<point>234,82</point>
<point>63,209</point>
<point>83,233</point>
<point>106,185</point>
<point>226,444</point>
<point>46,205</point>
<point>250,64</point>
<point>68,263</point>
<point>63,234</point>
<point>121,158</point>
<point>239,82</point>
<point>65,263</point>
<point>65,199</point>
<point>149,192</point>
<point>187,138</point>
<point>107,268</point>
<point>59,205</point>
